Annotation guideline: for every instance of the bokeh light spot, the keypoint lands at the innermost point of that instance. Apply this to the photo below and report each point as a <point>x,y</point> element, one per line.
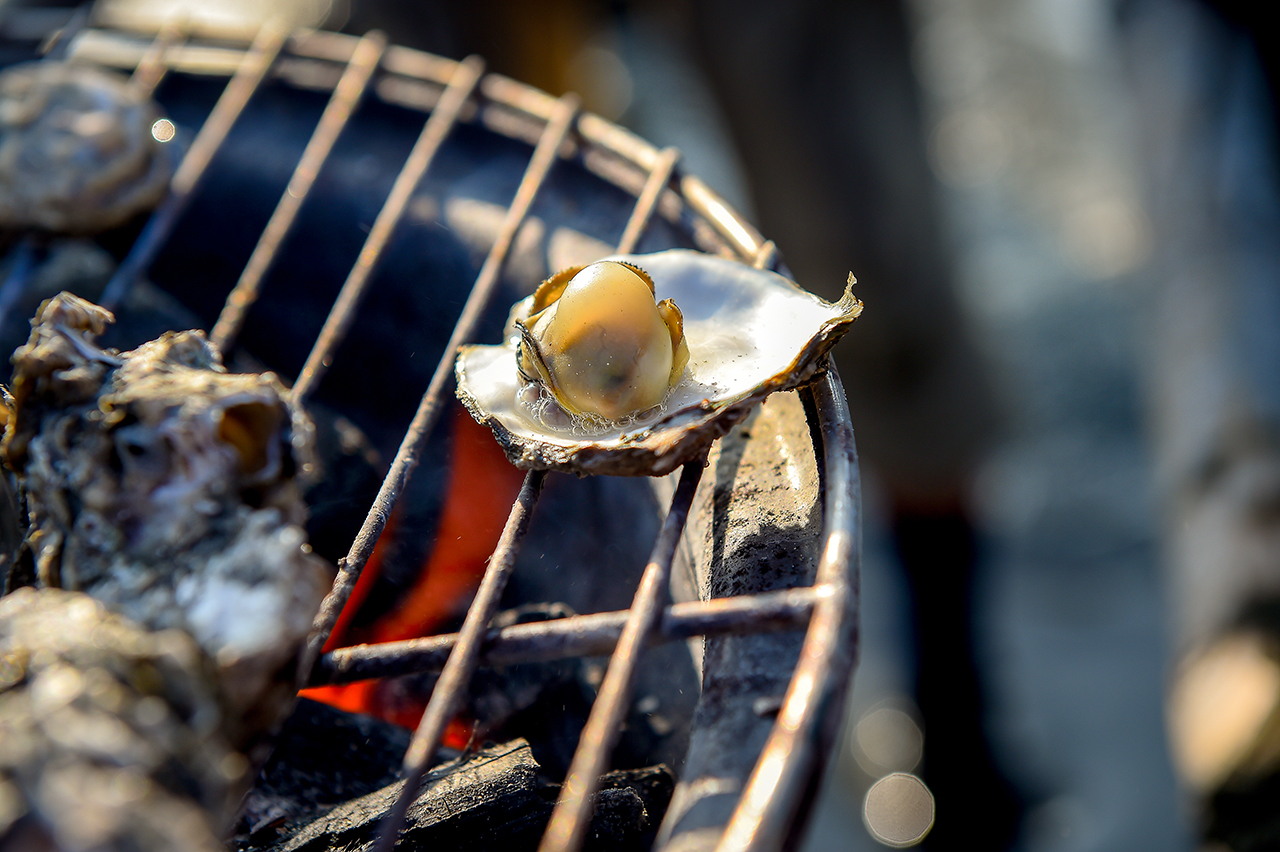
<point>163,130</point>
<point>898,810</point>
<point>889,740</point>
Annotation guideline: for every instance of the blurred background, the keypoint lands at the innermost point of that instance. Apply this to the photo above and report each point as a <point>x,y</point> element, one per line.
<point>1066,385</point>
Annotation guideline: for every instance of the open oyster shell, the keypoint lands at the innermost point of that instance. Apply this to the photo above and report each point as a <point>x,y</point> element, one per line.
<point>750,333</point>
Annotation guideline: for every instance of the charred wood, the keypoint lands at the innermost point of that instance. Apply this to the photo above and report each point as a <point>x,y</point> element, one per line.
<point>489,800</point>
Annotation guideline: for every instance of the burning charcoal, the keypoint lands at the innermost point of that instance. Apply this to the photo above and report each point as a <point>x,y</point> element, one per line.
<point>168,489</point>
<point>490,800</point>
<point>629,808</point>
<point>110,734</point>
<point>323,757</point>
<point>77,153</point>
<point>619,812</point>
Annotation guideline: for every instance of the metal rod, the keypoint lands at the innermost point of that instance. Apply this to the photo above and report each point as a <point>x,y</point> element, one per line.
<point>434,132</point>
<point>450,687</point>
<point>766,256</point>
<point>352,86</point>
<point>249,75</point>
<point>572,812</point>
<point>647,201</point>
<point>790,755</point>
<point>152,67</point>
<point>57,46</point>
<point>25,257</point>
<point>433,400</point>
<point>576,636</point>
<point>741,235</point>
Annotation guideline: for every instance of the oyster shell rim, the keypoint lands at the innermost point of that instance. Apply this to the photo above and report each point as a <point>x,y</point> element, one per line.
<point>659,447</point>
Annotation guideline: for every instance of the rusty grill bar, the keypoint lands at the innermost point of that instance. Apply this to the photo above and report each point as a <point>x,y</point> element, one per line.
<point>249,75</point>
<point>445,88</point>
<point>579,636</point>
<point>355,79</point>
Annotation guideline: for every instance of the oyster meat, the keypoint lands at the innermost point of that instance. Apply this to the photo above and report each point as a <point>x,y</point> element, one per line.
<point>737,335</point>
<point>168,489</point>
<point>599,345</point>
<point>77,153</point>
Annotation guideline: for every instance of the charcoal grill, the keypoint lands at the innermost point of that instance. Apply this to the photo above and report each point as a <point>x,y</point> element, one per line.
<point>667,207</point>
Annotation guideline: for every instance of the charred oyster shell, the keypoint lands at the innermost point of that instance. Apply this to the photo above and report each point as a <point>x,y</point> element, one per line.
<point>168,489</point>
<point>77,154</point>
<point>749,333</point>
<point>110,734</point>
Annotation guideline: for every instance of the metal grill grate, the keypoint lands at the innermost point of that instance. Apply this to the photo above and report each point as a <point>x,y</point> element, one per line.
<point>450,93</point>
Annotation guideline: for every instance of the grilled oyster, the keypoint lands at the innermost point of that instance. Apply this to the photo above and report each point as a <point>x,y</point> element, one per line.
<point>110,735</point>
<point>168,489</point>
<point>77,153</point>
<point>748,333</point>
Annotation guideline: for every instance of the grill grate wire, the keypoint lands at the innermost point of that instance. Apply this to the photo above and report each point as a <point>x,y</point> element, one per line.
<point>433,134</point>
<point>248,77</point>
<point>352,86</point>
<point>592,635</point>
<point>796,748</point>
